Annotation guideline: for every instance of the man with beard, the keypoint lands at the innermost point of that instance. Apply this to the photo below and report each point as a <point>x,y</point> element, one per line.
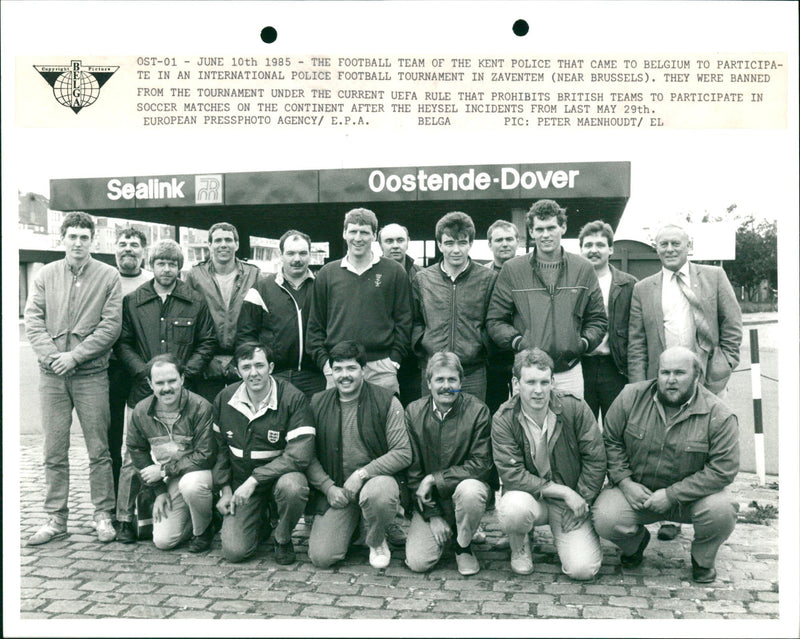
<point>171,445</point>
<point>672,448</point>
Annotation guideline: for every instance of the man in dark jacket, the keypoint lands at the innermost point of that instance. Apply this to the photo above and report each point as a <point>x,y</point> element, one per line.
<point>222,280</point>
<point>172,448</point>
<point>605,369</point>
<point>163,315</point>
<point>362,446</point>
<point>275,312</point>
<point>549,299</point>
<point>451,468</point>
<point>266,441</point>
<point>550,457</point>
<point>450,303</point>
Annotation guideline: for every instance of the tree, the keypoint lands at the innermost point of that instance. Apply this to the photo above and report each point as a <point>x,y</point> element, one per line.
<point>756,255</point>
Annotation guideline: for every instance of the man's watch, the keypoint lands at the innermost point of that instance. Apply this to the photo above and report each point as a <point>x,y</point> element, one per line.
<point>362,474</point>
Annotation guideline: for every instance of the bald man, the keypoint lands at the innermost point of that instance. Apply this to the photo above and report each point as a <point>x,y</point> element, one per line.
<point>672,448</point>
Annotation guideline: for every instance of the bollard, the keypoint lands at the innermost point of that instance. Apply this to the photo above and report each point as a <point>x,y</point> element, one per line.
<point>758,421</point>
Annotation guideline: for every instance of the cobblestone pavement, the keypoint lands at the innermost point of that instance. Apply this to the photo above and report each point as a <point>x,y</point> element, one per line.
<point>78,577</point>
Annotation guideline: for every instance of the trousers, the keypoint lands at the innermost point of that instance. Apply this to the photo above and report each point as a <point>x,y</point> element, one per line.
<point>189,512</point>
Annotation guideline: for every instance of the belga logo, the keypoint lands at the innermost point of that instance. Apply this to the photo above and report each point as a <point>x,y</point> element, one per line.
<point>76,86</point>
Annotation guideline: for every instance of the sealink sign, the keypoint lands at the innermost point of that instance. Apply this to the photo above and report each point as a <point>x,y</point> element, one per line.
<point>509,178</point>
<point>151,189</point>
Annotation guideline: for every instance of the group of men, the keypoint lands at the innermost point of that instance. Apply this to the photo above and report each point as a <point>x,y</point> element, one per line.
<point>375,387</point>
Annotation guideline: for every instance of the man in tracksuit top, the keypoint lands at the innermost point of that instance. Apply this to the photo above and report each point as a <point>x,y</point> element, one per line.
<point>451,469</point>
<point>362,447</point>
<point>450,303</point>
<point>364,298</point>
<point>266,440</point>
<point>275,312</point>
<point>222,280</point>
<point>172,448</point>
<point>549,299</point>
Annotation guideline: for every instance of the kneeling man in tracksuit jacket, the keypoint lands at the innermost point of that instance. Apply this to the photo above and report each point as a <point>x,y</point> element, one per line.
<point>451,444</point>
<point>552,462</point>
<point>362,444</point>
<point>266,441</point>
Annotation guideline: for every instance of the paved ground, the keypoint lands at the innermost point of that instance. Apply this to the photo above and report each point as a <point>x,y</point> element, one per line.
<point>80,578</point>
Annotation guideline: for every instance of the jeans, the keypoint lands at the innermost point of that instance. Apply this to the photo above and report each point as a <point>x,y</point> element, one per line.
<point>119,386</point>
<point>332,531</point>
<point>241,531</point>
<point>570,381</point>
<point>306,381</point>
<point>190,511</point>
<point>88,395</point>
<point>602,382</point>
<point>713,518</point>
<point>474,384</point>
<point>129,481</point>
<point>469,500</point>
<point>578,549</point>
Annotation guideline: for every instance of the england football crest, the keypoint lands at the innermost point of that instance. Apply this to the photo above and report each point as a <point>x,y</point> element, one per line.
<point>76,86</point>
<point>273,436</point>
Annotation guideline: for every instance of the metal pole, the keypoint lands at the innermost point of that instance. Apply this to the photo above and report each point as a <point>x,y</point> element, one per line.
<point>758,422</point>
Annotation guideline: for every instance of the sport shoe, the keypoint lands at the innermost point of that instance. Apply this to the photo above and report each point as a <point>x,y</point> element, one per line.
<point>53,529</point>
<point>284,553</point>
<point>105,529</point>
<point>634,560</point>
<point>127,533</point>
<point>380,556</point>
<point>467,562</point>
<point>395,535</point>
<point>521,560</point>
<point>202,542</point>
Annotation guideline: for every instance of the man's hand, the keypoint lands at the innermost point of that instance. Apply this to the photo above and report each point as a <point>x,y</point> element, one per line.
<point>636,494</point>
<point>337,497</point>
<point>243,493</point>
<point>570,521</point>
<point>440,530</point>
<point>161,505</point>
<point>63,363</point>
<point>353,485</point>
<point>225,503</point>
<point>575,503</point>
<point>658,502</point>
<point>424,492</point>
<point>151,474</point>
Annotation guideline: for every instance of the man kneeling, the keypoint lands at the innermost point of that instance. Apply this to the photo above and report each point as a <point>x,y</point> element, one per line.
<point>450,441</point>
<point>171,445</point>
<point>550,457</point>
<point>361,445</point>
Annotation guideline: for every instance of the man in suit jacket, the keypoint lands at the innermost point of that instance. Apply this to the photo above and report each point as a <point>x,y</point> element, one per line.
<point>706,318</point>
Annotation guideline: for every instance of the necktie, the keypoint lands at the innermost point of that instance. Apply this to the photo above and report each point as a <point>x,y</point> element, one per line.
<point>701,324</point>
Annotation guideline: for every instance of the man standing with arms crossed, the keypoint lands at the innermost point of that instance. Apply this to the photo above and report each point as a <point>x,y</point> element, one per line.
<point>223,280</point>
<point>549,299</point>
<point>72,319</point>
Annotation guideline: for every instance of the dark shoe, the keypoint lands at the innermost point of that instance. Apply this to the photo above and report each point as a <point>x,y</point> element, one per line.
<point>668,532</point>
<point>202,542</point>
<point>284,553</point>
<point>634,560</point>
<point>216,520</point>
<point>126,533</point>
<point>395,535</point>
<point>703,575</point>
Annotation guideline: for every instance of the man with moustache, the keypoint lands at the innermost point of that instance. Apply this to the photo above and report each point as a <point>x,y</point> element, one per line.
<point>172,448</point>
<point>275,312</point>
<point>163,315</point>
<point>222,280</point>
<point>672,448</point>
<point>503,239</point>
<point>266,440</point>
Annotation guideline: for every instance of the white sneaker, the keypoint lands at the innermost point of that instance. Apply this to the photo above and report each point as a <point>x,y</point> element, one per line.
<point>105,529</point>
<point>50,531</point>
<point>380,556</point>
<point>521,560</point>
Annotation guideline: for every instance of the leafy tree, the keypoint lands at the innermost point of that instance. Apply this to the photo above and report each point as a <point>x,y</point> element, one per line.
<point>756,255</point>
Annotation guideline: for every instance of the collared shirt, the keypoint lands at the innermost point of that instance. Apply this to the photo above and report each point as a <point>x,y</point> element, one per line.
<point>241,401</point>
<point>538,436</point>
<point>439,414</point>
<point>281,280</point>
<point>605,288</point>
<point>345,263</point>
<point>456,274</point>
<point>679,328</point>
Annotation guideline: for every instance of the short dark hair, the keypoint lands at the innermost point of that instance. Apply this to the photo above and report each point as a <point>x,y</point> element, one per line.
<point>164,358</point>
<point>79,220</point>
<point>247,350</point>
<point>129,231</point>
<point>532,357</point>
<point>292,233</point>
<point>501,224</point>
<point>544,210</point>
<point>444,359</point>
<point>455,224</point>
<point>361,217</point>
<point>408,237</point>
<point>223,226</point>
<point>166,250</point>
<point>348,349</point>
<point>598,227</point>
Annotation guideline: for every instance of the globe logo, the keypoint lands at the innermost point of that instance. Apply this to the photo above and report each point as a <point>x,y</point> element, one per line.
<point>76,86</point>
